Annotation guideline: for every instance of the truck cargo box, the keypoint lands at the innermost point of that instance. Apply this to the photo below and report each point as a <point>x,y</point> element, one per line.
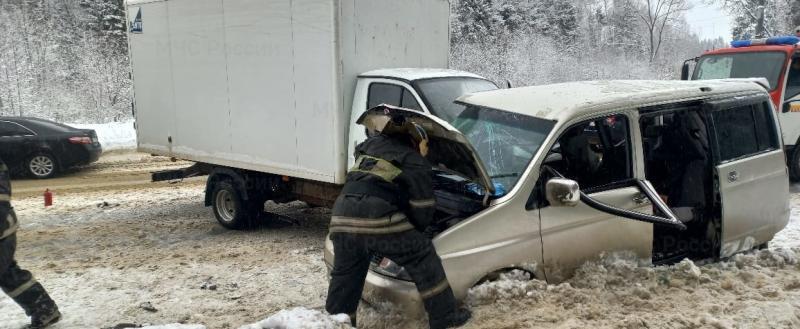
<point>268,85</point>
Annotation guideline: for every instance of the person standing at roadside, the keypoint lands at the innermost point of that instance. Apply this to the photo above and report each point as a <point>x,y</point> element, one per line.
<point>17,283</point>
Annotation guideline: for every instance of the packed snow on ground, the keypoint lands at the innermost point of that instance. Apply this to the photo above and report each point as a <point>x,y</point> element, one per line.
<point>174,326</point>
<point>114,135</point>
<point>302,318</point>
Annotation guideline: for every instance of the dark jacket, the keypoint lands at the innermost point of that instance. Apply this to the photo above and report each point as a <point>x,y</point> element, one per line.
<point>390,182</point>
<point>8,221</point>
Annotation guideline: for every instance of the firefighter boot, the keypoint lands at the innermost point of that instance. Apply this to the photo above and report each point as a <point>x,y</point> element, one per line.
<point>460,317</point>
<point>39,306</point>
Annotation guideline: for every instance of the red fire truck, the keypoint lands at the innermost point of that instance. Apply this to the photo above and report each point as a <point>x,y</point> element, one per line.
<point>778,61</point>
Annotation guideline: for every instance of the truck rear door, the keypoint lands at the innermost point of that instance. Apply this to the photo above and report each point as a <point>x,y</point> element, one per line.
<point>751,172</point>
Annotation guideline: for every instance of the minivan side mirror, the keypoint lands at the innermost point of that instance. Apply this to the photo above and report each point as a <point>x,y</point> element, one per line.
<point>561,192</point>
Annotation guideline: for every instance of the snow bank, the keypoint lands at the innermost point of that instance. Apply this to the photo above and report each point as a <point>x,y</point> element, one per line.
<point>114,135</point>
<point>758,289</point>
<point>789,237</point>
<point>302,318</point>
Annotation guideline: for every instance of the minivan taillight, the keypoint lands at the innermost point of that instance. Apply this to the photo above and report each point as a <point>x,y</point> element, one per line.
<point>80,140</point>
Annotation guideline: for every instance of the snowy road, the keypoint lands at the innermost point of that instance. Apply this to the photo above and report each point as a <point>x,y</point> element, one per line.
<point>152,254</point>
<point>114,171</point>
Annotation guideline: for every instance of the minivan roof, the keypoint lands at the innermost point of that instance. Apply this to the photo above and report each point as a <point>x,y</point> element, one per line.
<point>564,101</point>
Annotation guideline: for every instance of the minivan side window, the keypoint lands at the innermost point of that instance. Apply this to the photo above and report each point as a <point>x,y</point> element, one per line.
<point>385,93</point>
<point>595,153</point>
<point>745,130</point>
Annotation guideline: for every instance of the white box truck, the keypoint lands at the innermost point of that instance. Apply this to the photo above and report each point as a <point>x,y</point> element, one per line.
<point>262,95</point>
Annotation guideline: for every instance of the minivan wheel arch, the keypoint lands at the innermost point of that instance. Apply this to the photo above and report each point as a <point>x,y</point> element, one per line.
<point>495,275</point>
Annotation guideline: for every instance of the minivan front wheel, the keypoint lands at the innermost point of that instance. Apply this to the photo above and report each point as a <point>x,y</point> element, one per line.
<point>41,166</point>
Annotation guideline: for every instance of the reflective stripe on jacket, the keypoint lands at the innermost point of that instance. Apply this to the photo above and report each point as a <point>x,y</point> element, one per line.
<point>389,179</point>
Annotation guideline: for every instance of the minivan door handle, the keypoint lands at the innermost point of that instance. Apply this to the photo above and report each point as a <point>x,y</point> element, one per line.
<point>733,176</point>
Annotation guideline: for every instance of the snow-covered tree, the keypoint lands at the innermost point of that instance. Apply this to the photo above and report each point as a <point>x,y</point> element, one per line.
<point>762,18</point>
<point>57,62</point>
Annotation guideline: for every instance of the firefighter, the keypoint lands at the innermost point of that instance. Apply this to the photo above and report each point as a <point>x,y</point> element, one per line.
<point>385,204</point>
<point>17,283</point>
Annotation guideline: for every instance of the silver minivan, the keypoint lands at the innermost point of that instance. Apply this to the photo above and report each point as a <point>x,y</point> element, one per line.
<point>542,179</point>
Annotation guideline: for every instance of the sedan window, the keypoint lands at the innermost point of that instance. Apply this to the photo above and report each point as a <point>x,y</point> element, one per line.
<point>11,129</point>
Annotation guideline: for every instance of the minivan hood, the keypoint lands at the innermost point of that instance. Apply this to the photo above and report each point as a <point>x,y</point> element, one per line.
<point>448,146</point>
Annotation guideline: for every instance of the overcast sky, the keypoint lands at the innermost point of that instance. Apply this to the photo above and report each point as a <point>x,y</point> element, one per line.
<point>709,21</point>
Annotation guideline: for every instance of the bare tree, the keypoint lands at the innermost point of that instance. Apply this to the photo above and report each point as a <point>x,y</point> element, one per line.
<point>657,15</point>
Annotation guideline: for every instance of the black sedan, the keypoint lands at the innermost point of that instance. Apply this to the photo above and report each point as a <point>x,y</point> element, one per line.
<point>41,148</point>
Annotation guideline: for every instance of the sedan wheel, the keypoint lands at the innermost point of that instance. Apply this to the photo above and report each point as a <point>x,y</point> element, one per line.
<point>42,166</point>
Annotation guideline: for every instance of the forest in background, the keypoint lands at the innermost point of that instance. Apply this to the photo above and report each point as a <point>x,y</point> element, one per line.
<point>67,60</point>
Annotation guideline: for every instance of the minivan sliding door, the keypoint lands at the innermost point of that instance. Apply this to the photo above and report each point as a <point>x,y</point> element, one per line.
<point>750,171</point>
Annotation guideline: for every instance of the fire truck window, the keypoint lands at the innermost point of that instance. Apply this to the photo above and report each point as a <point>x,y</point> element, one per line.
<point>793,82</point>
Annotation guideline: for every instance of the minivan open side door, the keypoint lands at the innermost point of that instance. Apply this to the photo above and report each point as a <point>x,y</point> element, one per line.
<point>594,201</point>
<point>750,168</point>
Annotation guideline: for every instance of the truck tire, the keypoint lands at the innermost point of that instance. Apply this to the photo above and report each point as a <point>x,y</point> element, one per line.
<point>794,165</point>
<point>230,209</point>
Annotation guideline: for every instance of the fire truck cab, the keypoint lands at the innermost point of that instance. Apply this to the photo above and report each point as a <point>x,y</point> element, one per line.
<point>775,59</point>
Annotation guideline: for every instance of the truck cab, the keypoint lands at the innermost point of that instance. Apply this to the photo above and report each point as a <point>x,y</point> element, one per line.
<point>777,61</point>
<point>427,90</point>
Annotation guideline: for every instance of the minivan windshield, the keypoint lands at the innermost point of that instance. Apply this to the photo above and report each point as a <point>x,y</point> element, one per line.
<point>742,65</point>
<point>506,142</point>
<point>439,94</point>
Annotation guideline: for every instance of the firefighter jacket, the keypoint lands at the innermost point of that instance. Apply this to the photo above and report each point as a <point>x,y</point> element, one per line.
<point>8,220</point>
<point>388,190</point>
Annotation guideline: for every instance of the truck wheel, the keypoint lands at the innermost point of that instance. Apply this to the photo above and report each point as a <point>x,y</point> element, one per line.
<point>794,164</point>
<point>230,209</point>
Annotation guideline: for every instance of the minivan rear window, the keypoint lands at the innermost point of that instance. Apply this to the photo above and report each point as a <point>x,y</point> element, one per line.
<point>745,130</point>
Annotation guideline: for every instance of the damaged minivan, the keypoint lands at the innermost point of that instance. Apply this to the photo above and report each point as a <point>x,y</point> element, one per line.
<point>542,179</point>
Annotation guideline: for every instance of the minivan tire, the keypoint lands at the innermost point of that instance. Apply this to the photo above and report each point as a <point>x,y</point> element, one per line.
<point>230,209</point>
<point>41,166</point>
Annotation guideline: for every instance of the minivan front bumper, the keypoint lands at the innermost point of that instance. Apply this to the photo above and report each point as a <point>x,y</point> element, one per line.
<point>403,295</point>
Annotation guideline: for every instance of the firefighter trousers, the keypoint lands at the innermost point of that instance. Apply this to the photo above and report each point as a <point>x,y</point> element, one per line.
<point>409,249</point>
<point>20,285</point>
